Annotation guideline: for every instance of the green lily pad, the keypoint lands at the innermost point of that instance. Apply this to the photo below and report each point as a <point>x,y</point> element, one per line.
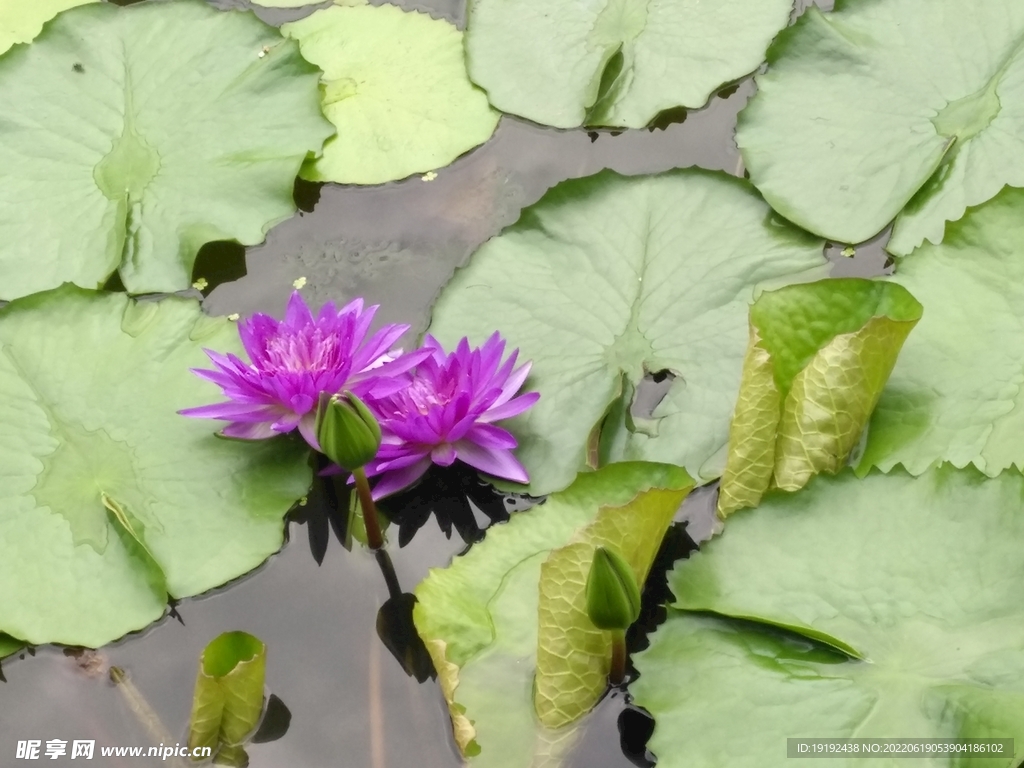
<point>9,645</point>
<point>955,392</point>
<point>916,579</point>
<point>818,357</point>
<point>176,125</point>
<point>608,278</point>
<point>111,501</point>
<point>303,3</point>
<point>228,698</point>
<point>479,617</point>
<point>284,3</point>
<point>618,63</point>
<point>857,117</point>
<point>22,20</point>
<point>396,88</point>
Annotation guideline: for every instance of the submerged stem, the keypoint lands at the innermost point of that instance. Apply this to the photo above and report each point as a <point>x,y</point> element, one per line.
<point>618,671</point>
<point>374,538</point>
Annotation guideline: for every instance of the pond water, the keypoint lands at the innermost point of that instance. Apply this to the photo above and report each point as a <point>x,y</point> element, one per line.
<point>351,703</point>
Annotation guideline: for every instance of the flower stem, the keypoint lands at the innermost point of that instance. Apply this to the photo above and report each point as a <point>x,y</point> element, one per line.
<point>388,570</point>
<point>618,671</point>
<point>374,538</point>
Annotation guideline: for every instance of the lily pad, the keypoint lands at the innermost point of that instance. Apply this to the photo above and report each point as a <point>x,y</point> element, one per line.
<point>110,501</point>
<point>479,618</point>
<point>228,698</point>
<point>284,3</point>
<point>22,20</point>
<point>917,580</point>
<point>955,393</point>
<point>857,117</point>
<point>175,125</point>
<point>303,3</point>
<point>396,88</point>
<point>9,645</point>
<point>618,63</point>
<point>818,357</point>
<point>608,278</point>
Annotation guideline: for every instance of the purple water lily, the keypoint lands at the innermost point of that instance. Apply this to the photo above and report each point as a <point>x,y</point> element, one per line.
<point>447,412</point>
<point>297,359</point>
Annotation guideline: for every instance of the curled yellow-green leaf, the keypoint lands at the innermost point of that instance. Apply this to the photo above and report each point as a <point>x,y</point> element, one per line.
<point>818,358</point>
<point>228,699</point>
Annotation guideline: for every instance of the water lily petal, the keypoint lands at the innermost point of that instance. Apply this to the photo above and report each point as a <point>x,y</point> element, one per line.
<point>499,463</point>
<point>491,437</point>
<point>515,381</point>
<point>392,482</point>
<point>510,409</point>
<point>399,462</point>
<point>233,412</point>
<point>296,360</point>
<point>301,403</point>
<point>444,455</point>
<point>255,431</point>
<point>297,314</point>
<point>307,428</point>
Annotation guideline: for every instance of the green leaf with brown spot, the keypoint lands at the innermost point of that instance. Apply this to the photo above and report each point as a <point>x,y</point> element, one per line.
<point>818,357</point>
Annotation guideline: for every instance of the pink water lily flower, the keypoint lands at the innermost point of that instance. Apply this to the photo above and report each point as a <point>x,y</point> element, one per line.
<point>447,412</point>
<point>294,360</point>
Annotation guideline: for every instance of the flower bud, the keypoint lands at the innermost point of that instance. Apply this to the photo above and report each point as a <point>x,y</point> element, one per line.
<point>348,433</point>
<point>613,597</point>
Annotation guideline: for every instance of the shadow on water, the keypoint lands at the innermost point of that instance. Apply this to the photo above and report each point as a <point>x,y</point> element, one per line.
<point>456,497</point>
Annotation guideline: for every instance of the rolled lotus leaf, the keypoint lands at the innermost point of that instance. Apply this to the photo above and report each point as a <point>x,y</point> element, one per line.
<point>818,358</point>
<point>228,699</point>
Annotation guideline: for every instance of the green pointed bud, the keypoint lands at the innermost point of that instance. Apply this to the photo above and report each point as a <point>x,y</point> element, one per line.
<point>348,433</point>
<point>613,597</point>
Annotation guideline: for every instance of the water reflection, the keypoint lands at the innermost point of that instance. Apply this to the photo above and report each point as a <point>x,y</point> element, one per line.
<point>457,498</point>
<point>328,507</point>
<point>395,626</point>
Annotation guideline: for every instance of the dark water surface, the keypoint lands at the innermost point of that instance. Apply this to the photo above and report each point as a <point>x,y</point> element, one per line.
<point>351,702</point>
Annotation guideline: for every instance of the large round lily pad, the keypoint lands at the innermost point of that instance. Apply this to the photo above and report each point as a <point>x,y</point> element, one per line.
<point>109,500</point>
<point>882,103</point>
<point>955,393</point>
<point>132,136</point>
<point>396,88</point>
<point>917,579</point>
<point>608,278</point>
<point>21,20</point>
<point>615,63</point>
